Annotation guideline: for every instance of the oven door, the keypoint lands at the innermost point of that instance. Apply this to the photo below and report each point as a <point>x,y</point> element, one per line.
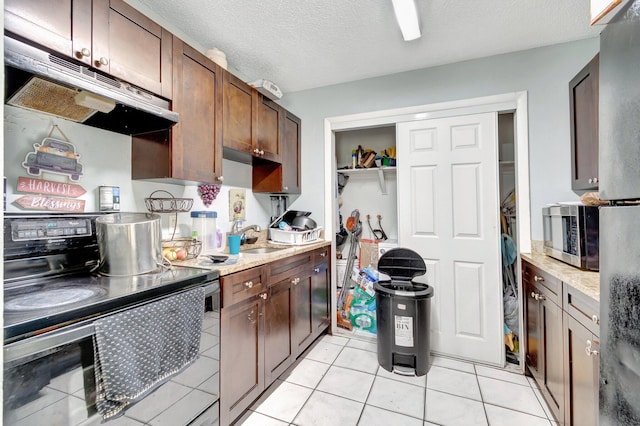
<point>50,379</point>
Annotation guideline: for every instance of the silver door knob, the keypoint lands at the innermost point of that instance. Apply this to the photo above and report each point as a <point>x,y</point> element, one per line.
<point>316,270</point>
<point>538,279</point>
<point>286,188</point>
<point>595,319</point>
<point>590,180</point>
<point>221,179</point>
<point>263,296</point>
<point>595,180</point>
<point>248,284</point>
<point>85,52</point>
<point>104,61</point>
<point>537,296</point>
<point>589,350</point>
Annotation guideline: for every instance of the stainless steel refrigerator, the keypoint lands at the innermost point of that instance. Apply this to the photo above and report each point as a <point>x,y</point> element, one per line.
<point>619,170</point>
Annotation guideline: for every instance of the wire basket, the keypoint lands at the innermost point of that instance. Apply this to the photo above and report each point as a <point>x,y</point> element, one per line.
<point>192,248</point>
<point>168,205</point>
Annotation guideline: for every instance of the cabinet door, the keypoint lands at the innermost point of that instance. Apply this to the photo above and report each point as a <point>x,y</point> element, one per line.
<point>192,149</point>
<point>239,102</point>
<point>583,102</point>
<point>241,357</point>
<point>146,62</point>
<point>553,383</point>
<point>284,177</point>
<point>278,352</point>
<point>303,328</point>
<point>269,130</point>
<point>320,298</point>
<point>534,329</point>
<point>196,146</point>
<point>63,26</point>
<point>581,375</point>
<point>291,182</point>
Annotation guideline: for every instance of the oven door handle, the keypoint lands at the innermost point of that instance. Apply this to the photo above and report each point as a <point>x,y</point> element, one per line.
<point>42,343</point>
<point>49,341</point>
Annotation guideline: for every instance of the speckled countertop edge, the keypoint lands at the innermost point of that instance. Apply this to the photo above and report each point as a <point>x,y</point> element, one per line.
<point>587,282</point>
<point>247,260</point>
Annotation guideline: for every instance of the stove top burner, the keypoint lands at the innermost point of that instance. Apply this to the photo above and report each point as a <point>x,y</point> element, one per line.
<point>45,299</point>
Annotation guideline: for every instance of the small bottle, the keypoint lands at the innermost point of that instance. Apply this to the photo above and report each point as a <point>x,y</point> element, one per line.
<point>218,238</point>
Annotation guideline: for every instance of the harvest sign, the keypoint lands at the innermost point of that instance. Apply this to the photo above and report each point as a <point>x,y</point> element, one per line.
<point>41,186</point>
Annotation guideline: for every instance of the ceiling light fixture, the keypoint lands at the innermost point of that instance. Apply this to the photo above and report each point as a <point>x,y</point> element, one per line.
<point>407,17</point>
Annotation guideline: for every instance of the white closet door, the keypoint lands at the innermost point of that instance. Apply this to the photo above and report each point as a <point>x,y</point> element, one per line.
<point>448,212</point>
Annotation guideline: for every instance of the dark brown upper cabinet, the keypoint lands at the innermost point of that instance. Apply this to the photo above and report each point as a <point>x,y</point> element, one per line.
<point>98,33</point>
<point>283,177</point>
<point>192,149</point>
<point>583,101</point>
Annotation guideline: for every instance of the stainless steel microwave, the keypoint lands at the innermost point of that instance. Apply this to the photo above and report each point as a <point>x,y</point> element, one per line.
<point>571,234</point>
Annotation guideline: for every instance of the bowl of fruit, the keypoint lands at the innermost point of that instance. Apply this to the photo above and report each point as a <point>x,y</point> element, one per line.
<point>181,249</point>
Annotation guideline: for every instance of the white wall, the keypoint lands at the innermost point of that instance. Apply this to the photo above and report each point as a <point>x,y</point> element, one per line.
<point>106,158</point>
<point>544,73</point>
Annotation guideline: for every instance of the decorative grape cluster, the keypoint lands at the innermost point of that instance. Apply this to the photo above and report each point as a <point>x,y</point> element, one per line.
<point>208,193</point>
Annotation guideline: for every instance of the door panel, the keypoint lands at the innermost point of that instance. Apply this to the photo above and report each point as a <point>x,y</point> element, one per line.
<point>468,290</point>
<point>466,200</point>
<point>448,173</point>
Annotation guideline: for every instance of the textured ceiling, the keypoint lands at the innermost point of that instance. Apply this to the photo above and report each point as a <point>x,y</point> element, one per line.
<point>301,44</point>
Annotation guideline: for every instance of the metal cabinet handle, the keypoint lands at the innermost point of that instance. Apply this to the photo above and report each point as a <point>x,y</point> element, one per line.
<point>323,254</point>
<point>589,351</point>
<point>537,296</point>
<point>251,318</point>
<point>595,319</point>
<point>256,151</point>
<point>263,296</point>
<point>248,284</point>
<point>103,61</point>
<point>85,52</point>
<point>590,180</point>
<point>595,180</point>
<point>295,281</point>
<point>261,152</point>
<point>286,188</point>
<point>221,179</point>
<point>316,270</point>
<point>538,279</point>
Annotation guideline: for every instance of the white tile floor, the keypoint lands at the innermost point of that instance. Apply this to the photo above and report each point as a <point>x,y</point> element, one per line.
<point>338,382</point>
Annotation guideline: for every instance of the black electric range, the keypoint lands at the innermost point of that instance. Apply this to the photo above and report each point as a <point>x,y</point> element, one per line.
<point>52,279</point>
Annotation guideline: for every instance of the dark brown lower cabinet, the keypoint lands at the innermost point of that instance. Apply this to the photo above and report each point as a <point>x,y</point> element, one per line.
<point>320,296</point>
<point>582,375</point>
<point>544,349</point>
<point>302,326</point>
<point>278,346</point>
<point>270,315</point>
<point>562,346</point>
<point>243,378</point>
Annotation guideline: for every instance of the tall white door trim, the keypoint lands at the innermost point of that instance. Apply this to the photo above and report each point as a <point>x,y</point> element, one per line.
<point>515,101</point>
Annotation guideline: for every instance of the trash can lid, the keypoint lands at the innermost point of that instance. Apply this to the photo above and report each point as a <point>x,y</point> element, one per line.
<point>403,288</point>
<point>402,264</point>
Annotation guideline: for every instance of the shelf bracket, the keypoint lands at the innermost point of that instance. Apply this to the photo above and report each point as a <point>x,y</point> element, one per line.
<point>381,180</point>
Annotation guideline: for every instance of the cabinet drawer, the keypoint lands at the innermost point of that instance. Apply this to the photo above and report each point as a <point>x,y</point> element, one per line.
<point>542,278</point>
<point>582,308</point>
<point>242,285</point>
<point>321,255</point>
<point>284,268</point>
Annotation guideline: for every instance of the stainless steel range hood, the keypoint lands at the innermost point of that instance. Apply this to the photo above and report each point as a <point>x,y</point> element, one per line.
<point>39,80</point>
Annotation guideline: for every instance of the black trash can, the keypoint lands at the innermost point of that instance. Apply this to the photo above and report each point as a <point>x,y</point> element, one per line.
<point>403,310</point>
